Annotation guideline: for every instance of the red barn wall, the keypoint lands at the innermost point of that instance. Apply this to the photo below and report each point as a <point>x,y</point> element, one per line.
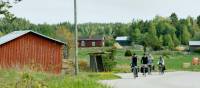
<point>88,43</point>
<point>32,49</point>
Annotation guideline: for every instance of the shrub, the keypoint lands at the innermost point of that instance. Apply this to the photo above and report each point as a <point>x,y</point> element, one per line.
<point>83,65</point>
<point>109,63</point>
<point>109,41</point>
<point>28,81</point>
<point>128,53</point>
<point>109,60</point>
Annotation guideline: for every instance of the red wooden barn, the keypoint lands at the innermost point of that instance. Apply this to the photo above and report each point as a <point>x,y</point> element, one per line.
<point>29,48</point>
<point>91,41</point>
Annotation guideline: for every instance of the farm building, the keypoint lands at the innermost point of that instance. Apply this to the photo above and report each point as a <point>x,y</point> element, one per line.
<point>123,40</point>
<point>30,49</point>
<point>194,45</point>
<point>91,41</point>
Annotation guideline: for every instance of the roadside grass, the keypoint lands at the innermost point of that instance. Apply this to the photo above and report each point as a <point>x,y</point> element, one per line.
<point>27,79</point>
<point>103,76</point>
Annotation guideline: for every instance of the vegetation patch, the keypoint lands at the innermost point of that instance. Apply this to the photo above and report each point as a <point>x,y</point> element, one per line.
<point>27,79</point>
<point>103,76</point>
<point>128,53</point>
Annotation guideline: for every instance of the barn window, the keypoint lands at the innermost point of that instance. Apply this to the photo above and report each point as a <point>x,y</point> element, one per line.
<point>82,43</point>
<point>93,43</point>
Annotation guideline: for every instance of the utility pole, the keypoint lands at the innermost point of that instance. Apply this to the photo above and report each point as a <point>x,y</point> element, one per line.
<point>76,38</point>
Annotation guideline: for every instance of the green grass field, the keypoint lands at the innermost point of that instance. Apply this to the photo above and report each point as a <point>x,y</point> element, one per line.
<point>174,62</point>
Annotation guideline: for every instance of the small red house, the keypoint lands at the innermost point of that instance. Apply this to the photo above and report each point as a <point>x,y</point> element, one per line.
<point>91,42</point>
<point>29,48</point>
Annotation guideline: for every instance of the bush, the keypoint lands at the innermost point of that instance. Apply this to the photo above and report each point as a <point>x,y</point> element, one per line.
<point>83,65</point>
<point>109,41</point>
<point>128,53</point>
<point>109,60</point>
<point>28,81</point>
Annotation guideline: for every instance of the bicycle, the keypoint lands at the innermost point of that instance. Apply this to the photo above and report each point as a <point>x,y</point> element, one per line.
<point>135,71</point>
<point>144,69</point>
<point>161,69</point>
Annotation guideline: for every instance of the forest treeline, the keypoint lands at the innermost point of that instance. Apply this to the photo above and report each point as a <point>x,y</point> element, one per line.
<point>158,33</point>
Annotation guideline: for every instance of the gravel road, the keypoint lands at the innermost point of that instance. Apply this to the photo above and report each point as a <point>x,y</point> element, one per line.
<point>180,79</point>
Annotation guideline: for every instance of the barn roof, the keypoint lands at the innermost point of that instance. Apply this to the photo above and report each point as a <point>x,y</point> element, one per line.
<point>124,38</point>
<point>16,34</point>
<point>92,38</point>
<point>194,42</point>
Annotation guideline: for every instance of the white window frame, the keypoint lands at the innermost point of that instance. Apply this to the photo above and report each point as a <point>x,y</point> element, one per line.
<point>93,43</point>
<point>83,43</point>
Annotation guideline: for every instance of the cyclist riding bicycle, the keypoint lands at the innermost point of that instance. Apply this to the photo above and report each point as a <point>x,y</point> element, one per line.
<point>150,63</point>
<point>161,65</point>
<point>134,65</point>
<point>144,62</point>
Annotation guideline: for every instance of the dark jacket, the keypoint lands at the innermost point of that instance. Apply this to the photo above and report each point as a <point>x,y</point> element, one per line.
<point>144,60</point>
<point>134,61</point>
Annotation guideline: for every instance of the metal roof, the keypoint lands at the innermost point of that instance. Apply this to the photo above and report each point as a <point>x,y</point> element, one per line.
<point>194,42</point>
<point>122,38</point>
<point>16,34</point>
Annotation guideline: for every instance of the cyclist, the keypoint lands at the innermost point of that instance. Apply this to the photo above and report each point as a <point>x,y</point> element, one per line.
<point>161,65</point>
<point>134,65</point>
<point>150,63</point>
<point>144,62</point>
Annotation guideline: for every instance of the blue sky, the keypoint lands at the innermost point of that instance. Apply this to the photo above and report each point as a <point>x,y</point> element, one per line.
<point>56,11</point>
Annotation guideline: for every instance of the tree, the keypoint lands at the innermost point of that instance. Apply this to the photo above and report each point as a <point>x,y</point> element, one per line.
<point>152,39</point>
<point>4,9</point>
<point>136,35</point>
<point>185,36</point>
<point>143,42</point>
<point>196,36</point>
<point>1,34</point>
<point>161,40</point>
<point>174,19</point>
<point>175,40</point>
<point>67,36</point>
<point>198,20</point>
<point>168,41</point>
